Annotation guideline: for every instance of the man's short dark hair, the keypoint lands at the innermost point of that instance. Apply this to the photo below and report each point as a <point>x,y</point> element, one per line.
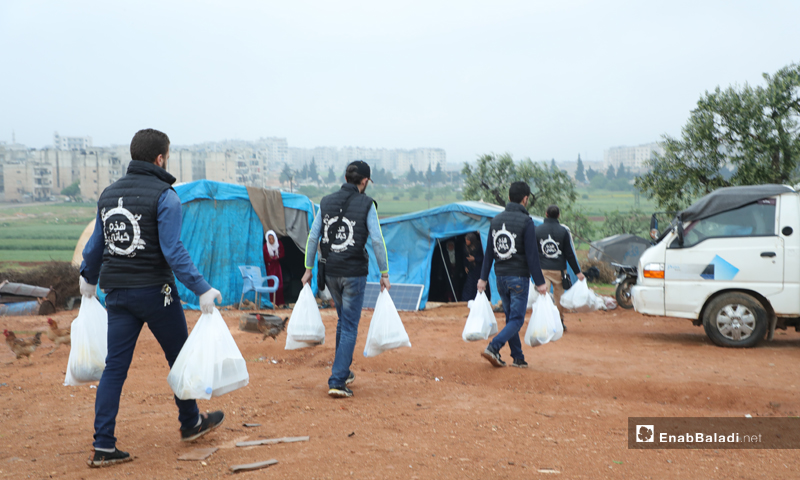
<point>148,144</point>
<point>553,211</point>
<point>518,191</point>
<point>352,175</point>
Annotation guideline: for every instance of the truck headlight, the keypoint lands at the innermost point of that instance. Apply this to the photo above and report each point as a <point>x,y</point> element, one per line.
<point>653,270</point>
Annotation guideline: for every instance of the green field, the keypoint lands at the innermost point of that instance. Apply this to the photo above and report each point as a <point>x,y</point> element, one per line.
<point>598,202</point>
<point>39,233</point>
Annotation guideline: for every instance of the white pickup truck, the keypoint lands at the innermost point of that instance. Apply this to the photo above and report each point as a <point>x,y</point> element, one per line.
<point>730,262</point>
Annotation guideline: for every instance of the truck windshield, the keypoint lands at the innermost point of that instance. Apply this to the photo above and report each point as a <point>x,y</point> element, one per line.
<point>752,220</point>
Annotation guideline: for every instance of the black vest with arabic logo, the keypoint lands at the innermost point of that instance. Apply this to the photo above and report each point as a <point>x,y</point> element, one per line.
<point>344,234</point>
<point>507,237</point>
<point>132,256</point>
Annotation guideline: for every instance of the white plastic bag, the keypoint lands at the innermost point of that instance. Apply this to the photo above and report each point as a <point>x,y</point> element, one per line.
<point>545,323</point>
<point>481,322</point>
<point>533,295</point>
<point>581,299</point>
<point>305,325</point>
<point>210,363</point>
<point>386,330</point>
<point>89,344</point>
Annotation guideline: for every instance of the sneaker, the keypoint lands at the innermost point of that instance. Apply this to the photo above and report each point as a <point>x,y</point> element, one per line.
<point>350,378</point>
<point>519,363</point>
<point>105,459</point>
<point>208,422</point>
<point>340,392</point>
<point>493,357</point>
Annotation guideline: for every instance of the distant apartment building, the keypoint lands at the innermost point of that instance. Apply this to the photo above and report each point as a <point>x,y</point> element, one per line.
<point>71,143</point>
<point>393,160</point>
<point>634,158</point>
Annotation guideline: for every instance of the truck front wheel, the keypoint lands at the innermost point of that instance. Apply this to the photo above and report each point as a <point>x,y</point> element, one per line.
<point>735,320</point>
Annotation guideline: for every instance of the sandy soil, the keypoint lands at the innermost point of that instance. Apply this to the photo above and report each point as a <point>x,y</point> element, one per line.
<point>436,410</point>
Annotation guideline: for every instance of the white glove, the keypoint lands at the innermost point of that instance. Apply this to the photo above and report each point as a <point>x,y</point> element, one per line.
<point>207,300</point>
<point>87,289</point>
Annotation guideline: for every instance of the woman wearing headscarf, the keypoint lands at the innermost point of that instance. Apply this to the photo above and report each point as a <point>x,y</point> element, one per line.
<point>472,265</point>
<point>273,252</point>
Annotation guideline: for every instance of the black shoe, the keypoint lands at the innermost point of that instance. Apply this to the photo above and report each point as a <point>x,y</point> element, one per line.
<point>340,392</point>
<point>208,422</point>
<point>493,357</point>
<point>105,459</point>
<point>563,326</point>
<point>519,363</point>
<point>350,378</point>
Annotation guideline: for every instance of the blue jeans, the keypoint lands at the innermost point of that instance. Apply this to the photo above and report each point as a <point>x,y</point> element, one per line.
<point>128,310</point>
<point>513,292</point>
<point>348,293</point>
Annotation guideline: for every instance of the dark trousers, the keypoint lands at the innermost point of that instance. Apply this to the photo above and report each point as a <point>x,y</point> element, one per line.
<point>128,310</point>
<point>513,292</point>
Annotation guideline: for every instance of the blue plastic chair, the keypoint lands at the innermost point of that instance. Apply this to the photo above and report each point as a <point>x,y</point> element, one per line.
<point>254,282</point>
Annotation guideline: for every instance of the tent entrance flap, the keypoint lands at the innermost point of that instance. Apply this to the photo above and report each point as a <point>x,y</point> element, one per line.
<point>447,270</point>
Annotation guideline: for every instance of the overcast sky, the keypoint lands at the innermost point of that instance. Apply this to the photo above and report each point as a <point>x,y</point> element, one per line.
<point>537,79</point>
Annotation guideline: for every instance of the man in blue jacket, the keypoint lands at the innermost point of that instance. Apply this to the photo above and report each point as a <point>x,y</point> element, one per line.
<point>135,252</point>
<point>512,245</point>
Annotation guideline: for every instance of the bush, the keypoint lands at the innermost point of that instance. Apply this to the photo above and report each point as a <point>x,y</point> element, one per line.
<point>585,196</point>
<point>61,277</point>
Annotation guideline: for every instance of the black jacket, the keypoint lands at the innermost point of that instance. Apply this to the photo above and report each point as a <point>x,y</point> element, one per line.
<point>344,232</point>
<point>555,246</point>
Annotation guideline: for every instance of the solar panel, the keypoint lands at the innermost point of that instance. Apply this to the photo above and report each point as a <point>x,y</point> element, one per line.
<point>406,297</point>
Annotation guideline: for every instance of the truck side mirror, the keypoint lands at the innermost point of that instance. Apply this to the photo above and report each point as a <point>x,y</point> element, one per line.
<point>679,230</point>
<point>653,227</point>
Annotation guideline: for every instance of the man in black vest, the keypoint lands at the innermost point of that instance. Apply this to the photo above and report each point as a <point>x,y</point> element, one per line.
<point>346,220</point>
<point>512,245</point>
<point>555,250</point>
<point>133,252</point>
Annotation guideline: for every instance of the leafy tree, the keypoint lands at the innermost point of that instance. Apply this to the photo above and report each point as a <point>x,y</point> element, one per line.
<point>610,174</point>
<point>287,175</point>
<point>443,192</point>
<point>331,176</point>
<point>579,173</point>
<point>411,176</point>
<point>303,174</point>
<point>553,164</point>
<point>598,181</point>
<point>313,175</point>
<point>634,222</point>
<point>415,192</point>
<point>439,175</point>
<point>429,175</point>
<point>493,174</point>
<point>590,174</point>
<point>751,130</point>
<point>580,226</point>
<point>622,172</point>
<point>73,191</point>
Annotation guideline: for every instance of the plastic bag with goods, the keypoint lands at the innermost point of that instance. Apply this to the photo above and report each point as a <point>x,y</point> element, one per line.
<point>481,322</point>
<point>386,330</point>
<point>545,323</point>
<point>305,325</point>
<point>88,346</point>
<point>581,299</point>
<point>210,363</point>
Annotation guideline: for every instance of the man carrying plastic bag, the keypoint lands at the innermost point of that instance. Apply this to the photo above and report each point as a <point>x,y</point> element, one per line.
<point>210,363</point>
<point>512,244</point>
<point>88,348</point>
<point>481,322</point>
<point>135,252</point>
<point>386,331</point>
<point>346,220</point>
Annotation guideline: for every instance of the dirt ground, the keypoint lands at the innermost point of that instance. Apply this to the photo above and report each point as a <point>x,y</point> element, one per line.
<point>436,410</point>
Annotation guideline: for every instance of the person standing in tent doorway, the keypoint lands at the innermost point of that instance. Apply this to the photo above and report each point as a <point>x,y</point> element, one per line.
<point>555,250</point>
<point>273,252</point>
<point>135,253</point>
<point>346,220</point>
<point>473,262</point>
<point>512,245</point>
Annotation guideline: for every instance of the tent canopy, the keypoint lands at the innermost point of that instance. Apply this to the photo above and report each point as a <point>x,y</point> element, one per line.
<point>222,231</point>
<point>623,248</point>
<point>411,238</point>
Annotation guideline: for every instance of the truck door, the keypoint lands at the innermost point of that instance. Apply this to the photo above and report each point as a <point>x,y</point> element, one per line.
<point>735,249</point>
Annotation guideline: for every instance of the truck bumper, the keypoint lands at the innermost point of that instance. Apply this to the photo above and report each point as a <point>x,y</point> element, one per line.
<point>648,300</point>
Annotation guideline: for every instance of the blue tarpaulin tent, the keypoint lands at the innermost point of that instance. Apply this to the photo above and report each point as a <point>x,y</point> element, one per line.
<point>411,239</point>
<point>222,231</point>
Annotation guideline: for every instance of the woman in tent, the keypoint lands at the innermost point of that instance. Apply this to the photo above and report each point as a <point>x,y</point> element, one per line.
<point>273,252</point>
<point>472,265</point>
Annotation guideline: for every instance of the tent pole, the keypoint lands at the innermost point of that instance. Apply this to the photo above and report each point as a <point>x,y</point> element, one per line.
<point>455,297</point>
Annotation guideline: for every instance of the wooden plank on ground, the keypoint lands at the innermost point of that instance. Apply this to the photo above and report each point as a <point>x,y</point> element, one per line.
<point>272,441</point>
<point>252,466</point>
<point>198,454</point>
